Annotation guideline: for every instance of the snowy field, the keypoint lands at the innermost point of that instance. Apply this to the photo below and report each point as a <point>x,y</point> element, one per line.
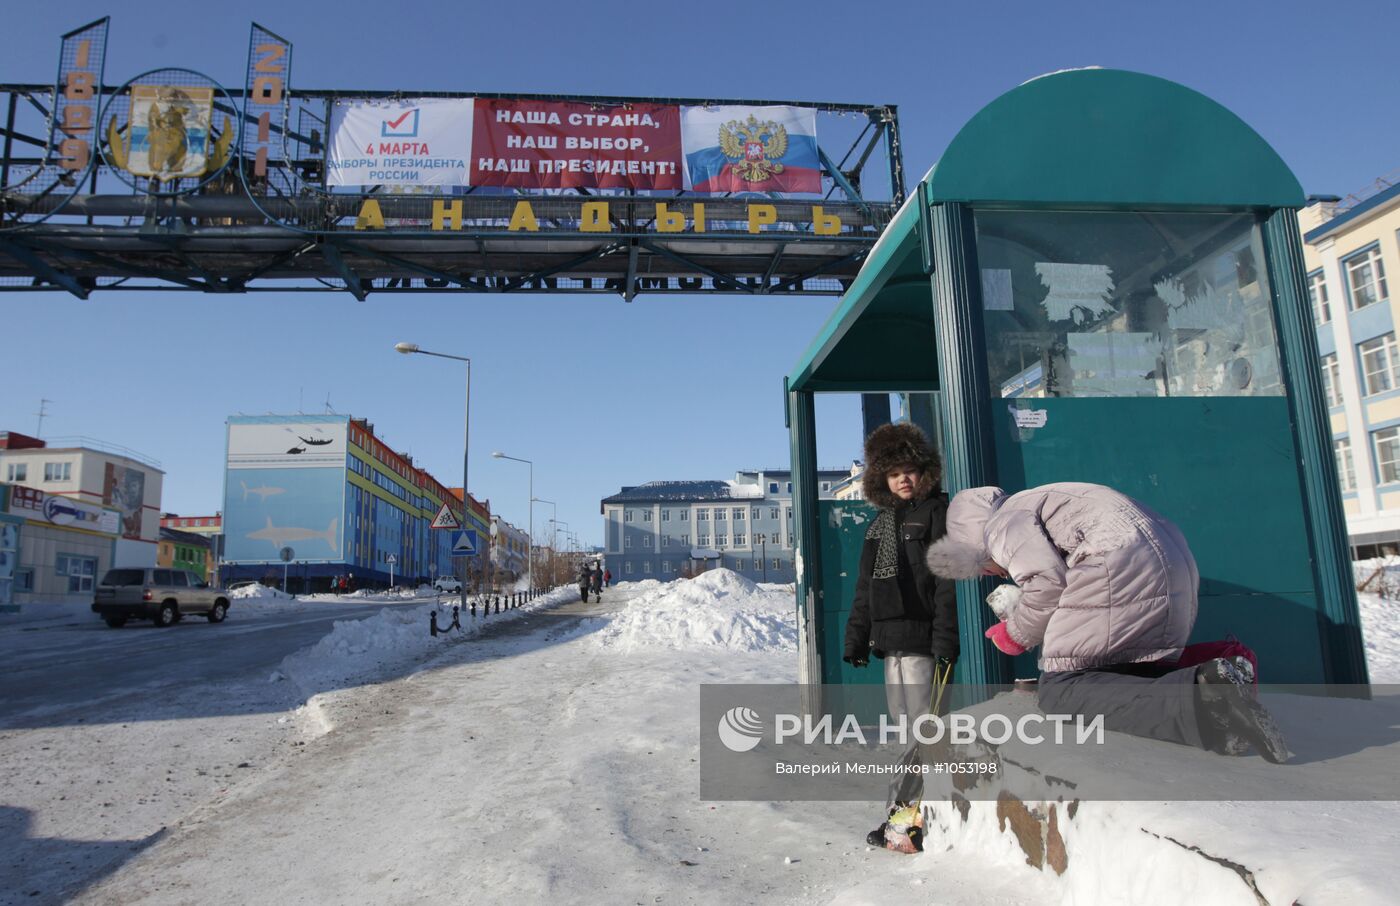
<point>549,754</point>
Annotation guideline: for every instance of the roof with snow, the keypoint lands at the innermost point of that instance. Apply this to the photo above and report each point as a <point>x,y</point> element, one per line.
<point>672,490</point>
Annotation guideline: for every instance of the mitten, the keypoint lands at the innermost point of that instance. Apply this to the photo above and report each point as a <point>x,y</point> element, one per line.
<point>1002,639</point>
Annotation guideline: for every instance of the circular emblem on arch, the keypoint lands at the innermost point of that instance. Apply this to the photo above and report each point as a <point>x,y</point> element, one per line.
<point>169,131</point>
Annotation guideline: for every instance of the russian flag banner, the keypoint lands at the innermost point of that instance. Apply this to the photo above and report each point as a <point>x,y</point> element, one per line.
<point>751,149</point>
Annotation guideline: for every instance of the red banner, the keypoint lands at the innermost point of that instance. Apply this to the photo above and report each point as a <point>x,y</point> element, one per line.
<point>560,145</point>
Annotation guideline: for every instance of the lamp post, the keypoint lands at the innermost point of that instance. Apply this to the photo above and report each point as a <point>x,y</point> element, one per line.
<point>554,538</point>
<point>530,553</point>
<point>557,523</point>
<point>411,349</point>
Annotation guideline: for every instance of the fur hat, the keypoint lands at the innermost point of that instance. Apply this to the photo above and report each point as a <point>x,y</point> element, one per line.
<point>897,445</point>
<point>961,553</point>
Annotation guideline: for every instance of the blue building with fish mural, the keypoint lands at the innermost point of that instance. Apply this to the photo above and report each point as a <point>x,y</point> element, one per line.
<point>341,499</point>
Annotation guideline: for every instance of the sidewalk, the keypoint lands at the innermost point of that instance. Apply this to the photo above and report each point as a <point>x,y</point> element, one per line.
<point>528,765</point>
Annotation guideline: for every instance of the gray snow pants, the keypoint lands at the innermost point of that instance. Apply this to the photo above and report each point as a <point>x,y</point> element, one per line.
<point>908,685</point>
<point>1131,700</point>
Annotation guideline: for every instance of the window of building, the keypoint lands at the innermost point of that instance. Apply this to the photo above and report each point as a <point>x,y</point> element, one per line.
<point>646,515</point>
<point>772,487</point>
<point>1379,364</point>
<point>79,570</point>
<point>646,541</point>
<point>826,485</point>
<point>646,568</point>
<point>627,568</point>
<point>685,515</point>
<point>772,512</point>
<point>719,515</point>
<point>789,487</point>
<point>1346,471</point>
<point>685,539</point>
<point>1332,380</point>
<point>665,540</point>
<point>789,514</point>
<point>24,579</point>
<point>627,542</point>
<point>721,541</point>
<point>1317,293</point>
<point>1366,278</point>
<point>627,516</point>
<point>760,537</point>
<point>702,515</point>
<point>665,515</point>
<point>758,564</point>
<point>739,540</point>
<point>775,564</point>
<point>702,540</point>
<point>738,514</point>
<point>1387,443</point>
<point>17,471</point>
<point>666,566</point>
<point>57,471</point>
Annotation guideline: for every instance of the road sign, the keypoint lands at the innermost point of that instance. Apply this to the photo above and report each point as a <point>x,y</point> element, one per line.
<point>391,559</point>
<point>287,554</point>
<point>446,519</point>
<point>464,543</point>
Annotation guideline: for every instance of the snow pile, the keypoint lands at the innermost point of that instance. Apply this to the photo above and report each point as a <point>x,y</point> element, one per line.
<point>719,609</point>
<point>1380,629</point>
<point>257,592</point>
<point>359,649</point>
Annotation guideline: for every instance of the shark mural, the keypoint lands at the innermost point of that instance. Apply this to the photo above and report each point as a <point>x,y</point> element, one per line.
<point>281,536</point>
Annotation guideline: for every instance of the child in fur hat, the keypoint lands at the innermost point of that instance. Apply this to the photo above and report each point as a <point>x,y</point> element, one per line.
<point>903,613</point>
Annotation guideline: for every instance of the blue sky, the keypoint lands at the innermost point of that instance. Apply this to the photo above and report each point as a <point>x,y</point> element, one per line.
<point>600,393</point>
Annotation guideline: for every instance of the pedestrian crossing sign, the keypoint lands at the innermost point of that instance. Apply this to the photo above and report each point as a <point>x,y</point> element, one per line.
<point>446,519</point>
<point>464,543</point>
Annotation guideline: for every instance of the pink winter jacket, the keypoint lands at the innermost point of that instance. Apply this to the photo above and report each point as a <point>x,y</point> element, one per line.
<point>1104,579</point>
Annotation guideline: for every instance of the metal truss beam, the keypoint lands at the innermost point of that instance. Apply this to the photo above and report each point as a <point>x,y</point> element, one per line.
<point>337,261</point>
<point>134,270</point>
<point>431,273</point>
<point>28,258</point>
<point>713,274</point>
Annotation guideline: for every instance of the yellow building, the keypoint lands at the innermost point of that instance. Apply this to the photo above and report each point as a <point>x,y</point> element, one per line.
<point>1350,251</point>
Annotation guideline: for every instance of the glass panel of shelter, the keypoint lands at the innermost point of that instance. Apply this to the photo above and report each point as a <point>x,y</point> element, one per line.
<point>1085,304</point>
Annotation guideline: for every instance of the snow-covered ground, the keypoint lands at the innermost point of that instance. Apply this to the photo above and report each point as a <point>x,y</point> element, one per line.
<point>550,754</point>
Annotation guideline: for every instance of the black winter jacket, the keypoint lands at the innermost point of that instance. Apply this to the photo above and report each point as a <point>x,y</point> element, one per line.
<point>915,612</point>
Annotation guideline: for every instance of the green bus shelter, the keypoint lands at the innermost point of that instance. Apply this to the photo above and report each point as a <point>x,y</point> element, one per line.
<point>1101,280</point>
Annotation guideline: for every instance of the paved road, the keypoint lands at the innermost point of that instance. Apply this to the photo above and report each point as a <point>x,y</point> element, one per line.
<point>53,674</point>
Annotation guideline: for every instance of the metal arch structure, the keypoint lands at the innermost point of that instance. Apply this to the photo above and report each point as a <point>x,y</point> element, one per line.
<point>269,221</point>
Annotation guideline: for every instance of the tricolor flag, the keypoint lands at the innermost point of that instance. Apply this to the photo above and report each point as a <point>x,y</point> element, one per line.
<point>750,149</point>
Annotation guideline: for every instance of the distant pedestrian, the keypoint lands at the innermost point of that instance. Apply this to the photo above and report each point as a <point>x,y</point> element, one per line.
<point>607,578</point>
<point>596,575</point>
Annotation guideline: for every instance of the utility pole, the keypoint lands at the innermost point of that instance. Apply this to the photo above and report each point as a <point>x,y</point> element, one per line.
<point>43,411</point>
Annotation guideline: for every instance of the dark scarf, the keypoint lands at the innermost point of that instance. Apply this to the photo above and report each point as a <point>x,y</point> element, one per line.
<point>887,553</point>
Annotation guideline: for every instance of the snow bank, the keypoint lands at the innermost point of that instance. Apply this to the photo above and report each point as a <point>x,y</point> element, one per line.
<point>1380,629</point>
<point>720,609</point>
<point>356,650</point>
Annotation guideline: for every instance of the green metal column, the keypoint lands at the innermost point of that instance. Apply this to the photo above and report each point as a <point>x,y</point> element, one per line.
<point>1343,652</point>
<point>801,409</point>
<point>969,455</point>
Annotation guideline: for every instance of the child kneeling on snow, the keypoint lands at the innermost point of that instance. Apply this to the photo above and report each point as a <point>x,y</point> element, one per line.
<point>1107,589</point>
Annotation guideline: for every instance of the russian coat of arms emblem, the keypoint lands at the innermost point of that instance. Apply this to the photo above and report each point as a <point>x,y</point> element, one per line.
<point>754,148</point>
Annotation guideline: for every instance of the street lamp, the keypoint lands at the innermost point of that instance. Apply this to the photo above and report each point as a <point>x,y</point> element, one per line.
<point>530,554</point>
<point>554,538</point>
<point>411,349</point>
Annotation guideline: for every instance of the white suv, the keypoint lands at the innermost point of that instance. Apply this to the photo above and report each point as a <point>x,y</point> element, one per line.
<point>448,585</point>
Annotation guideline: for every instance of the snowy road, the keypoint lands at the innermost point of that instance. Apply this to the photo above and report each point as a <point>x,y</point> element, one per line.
<point>59,673</point>
<point>107,736</point>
